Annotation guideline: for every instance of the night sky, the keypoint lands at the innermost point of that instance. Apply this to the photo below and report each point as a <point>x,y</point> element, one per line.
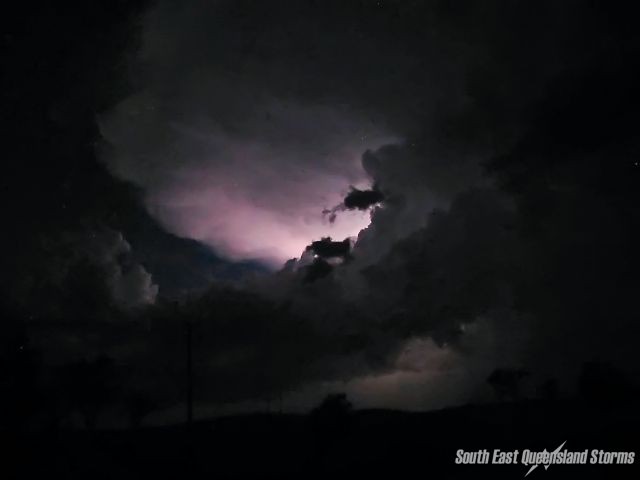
<point>387,198</point>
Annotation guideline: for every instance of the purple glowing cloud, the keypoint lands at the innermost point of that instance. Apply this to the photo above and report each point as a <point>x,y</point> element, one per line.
<point>252,192</point>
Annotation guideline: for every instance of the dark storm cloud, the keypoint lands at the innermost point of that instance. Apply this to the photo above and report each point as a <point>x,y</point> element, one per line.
<point>53,186</point>
<point>511,279</point>
<point>356,200</point>
<point>129,283</point>
<point>251,117</point>
<point>225,142</point>
<point>327,248</point>
<point>239,103</point>
<point>362,199</point>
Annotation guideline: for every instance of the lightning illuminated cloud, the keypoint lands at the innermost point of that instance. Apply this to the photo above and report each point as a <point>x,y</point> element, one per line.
<point>254,192</point>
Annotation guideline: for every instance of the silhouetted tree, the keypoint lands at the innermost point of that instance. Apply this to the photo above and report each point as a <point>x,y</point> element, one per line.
<point>506,382</point>
<point>602,384</point>
<point>330,420</point>
<point>334,405</point>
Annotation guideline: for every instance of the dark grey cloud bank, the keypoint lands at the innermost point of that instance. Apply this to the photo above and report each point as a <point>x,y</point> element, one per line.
<point>499,137</point>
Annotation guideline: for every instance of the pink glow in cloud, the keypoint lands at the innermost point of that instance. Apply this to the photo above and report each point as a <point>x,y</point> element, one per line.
<point>255,192</point>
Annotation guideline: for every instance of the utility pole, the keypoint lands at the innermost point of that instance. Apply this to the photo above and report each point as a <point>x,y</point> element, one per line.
<point>189,374</point>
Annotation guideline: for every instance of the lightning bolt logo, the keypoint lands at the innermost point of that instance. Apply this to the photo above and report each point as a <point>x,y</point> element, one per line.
<point>533,467</point>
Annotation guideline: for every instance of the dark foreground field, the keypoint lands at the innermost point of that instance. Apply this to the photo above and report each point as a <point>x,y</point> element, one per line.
<point>362,444</point>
